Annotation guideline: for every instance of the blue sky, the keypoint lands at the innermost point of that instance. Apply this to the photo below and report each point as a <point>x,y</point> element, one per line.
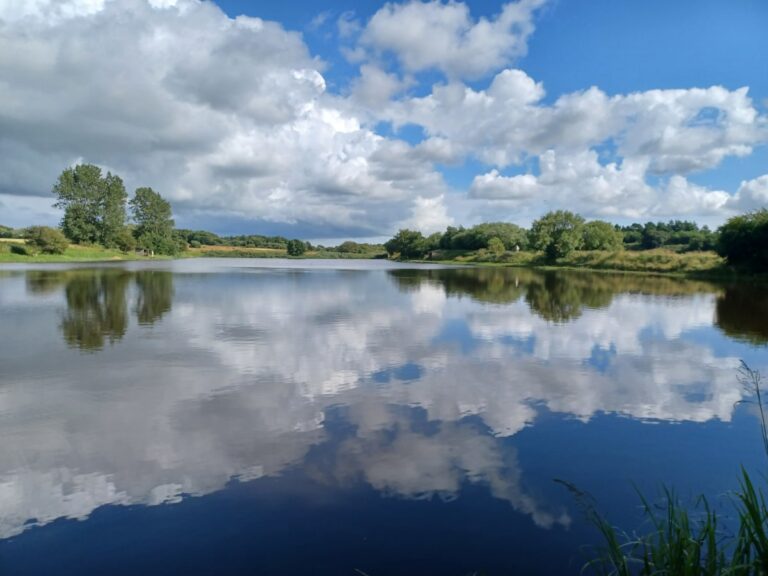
<point>352,119</point>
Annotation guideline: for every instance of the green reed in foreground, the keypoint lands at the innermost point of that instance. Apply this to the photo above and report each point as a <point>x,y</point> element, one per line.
<point>689,542</point>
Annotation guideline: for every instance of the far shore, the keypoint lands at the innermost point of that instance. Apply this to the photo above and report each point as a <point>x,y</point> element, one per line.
<point>659,261</point>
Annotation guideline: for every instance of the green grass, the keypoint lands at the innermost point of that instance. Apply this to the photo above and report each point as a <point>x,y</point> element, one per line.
<point>247,252</point>
<point>659,261</point>
<point>74,253</point>
<point>688,541</point>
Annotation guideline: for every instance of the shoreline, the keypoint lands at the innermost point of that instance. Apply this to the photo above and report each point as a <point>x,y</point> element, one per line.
<point>717,272</point>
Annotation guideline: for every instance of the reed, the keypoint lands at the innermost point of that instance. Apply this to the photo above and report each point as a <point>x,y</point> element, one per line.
<point>688,541</point>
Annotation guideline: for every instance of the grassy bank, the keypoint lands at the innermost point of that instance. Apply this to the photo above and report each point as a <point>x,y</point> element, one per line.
<point>659,261</point>
<point>12,251</point>
<point>75,253</point>
<point>245,252</point>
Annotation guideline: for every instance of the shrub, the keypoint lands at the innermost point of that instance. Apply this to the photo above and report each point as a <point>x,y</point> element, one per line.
<point>496,246</point>
<point>125,240</point>
<point>600,235</point>
<point>743,240</point>
<point>296,247</point>
<point>407,243</point>
<point>47,240</point>
<point>22,250</point>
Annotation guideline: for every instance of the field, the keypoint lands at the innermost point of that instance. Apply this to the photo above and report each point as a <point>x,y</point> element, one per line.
<point>654,261</point>
<point>247,252</point>
<point>74,253</point>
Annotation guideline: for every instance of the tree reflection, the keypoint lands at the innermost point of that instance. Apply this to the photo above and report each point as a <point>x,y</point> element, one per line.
<point>97,301</point>
<point>556,296</point>
<point>155,295</point>
<point>493,285</point>
<point>742,313</point>
<point>96,309</point>
<point>41,282</point>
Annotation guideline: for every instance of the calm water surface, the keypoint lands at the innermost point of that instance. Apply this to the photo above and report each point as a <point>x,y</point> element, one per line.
<point>308,417</point>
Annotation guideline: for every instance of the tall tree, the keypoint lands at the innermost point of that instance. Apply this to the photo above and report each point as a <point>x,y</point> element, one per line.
<point>112,209</point>
<point>94,206</point>
<point>154,225</point>
<point>557,234</point>
<point>600,235</point>
<point>407,243</point>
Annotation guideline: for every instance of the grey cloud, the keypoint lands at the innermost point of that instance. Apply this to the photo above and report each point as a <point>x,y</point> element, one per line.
<point>224,115</point>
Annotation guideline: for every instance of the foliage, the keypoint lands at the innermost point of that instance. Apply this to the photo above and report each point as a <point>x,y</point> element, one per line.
<point>201,237</point>
<point>6,232</point>
<point>496,246</point>
<point>154,225</point>
<point>180,242</point>
<point>47,240</point>
<point>680,234</point>
<point>479,236</point>
<point>256,241</point>
<point>743,240</point>
<point>600,235</point>
<point>125,240</point>
<point>678,543</point>
<point>557,233</point>
<point>659,260</point>
<point>407,243</point>
<point>22,250</point>
<point>296,247</point>
<point>94,205</point>
<point>350,247</point>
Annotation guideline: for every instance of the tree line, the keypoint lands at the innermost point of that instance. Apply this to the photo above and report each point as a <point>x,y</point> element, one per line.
<point>96,212</point>
<point>742,240</point>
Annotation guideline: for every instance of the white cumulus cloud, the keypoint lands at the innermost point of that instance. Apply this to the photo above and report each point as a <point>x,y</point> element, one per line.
<point>445,37</point>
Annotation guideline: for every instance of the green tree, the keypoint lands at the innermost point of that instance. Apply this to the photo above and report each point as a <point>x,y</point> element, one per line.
<point>407,243</point>
<point>743,240</point>
<point>655,235</point>
<point>295,247</point>
<point>496,246</point>
<point>47,240</point>
<point>601,235</point>
<point>6,232</point>
<point>94,206</point>
<point>557,234</point>
<point>111,210</point>
<point>510,234</point>
<point>125,240</point>
<point>154,225</point>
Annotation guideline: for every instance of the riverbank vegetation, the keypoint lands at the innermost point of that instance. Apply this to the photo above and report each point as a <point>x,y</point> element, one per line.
<point>562,238</point>
<point>18,252</point>
<point>320,252</point>
<point>96,223</point>
<point>691,540</point>
<point>99,222</point>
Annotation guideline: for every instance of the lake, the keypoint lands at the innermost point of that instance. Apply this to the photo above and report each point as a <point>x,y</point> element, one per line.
<point>346,417</point>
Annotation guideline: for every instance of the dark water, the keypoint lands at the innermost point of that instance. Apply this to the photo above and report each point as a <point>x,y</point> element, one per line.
<point>268,417</point>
